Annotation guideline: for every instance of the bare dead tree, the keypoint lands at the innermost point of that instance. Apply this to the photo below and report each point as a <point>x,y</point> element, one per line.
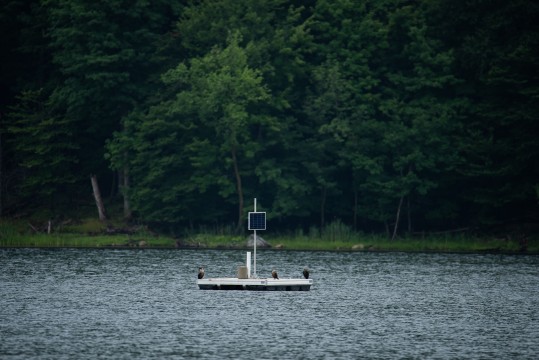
<point>98,199</point>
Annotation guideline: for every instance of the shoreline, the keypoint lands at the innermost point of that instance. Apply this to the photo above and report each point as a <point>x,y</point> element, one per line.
<point>95,235</point>
<point>459,246</point>
<point>461,252</point>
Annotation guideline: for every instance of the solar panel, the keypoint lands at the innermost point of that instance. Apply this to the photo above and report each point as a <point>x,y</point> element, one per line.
<point>257,221</point>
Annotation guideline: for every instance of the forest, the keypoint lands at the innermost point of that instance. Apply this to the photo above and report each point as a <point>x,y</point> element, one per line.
<point>390,116</point>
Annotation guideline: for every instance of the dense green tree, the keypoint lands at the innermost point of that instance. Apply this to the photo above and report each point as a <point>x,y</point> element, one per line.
<point>496,44</point>
<point>330,103</point>
<point>383,114</point>
<point>207,131</point>
<point>226,93</point>
<point>44,149</point>
<point>392,115</point>
<point>108,53</point>
<point>277,44</point>
<point>266,38</point>
<point>25,66</point>
<point>161,190</point>
<point>350,41</point>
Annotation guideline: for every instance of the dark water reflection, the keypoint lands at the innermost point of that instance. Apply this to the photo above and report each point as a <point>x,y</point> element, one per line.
<point>124,304</point>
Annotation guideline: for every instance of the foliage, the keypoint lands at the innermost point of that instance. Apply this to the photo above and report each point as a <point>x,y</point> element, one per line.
<point>43,147</point>
<point>339,116</point>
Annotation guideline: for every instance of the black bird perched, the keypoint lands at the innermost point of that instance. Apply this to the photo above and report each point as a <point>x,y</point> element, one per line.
<point>274,274</point>
<point>306,273</point>
<point>200,272</point>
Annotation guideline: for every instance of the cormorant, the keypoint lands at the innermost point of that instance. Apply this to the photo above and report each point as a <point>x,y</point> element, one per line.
<point>274,274</point>
<point>200,272</point>
<point>306,273</point>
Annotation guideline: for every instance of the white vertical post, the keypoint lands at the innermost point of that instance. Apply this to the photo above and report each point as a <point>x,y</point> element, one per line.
<point>254,245</point>
<point>248,263</point>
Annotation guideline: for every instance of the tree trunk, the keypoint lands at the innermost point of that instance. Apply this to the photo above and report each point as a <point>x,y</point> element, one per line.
<point>125,193</point>
<point>98,199</point>
<point>398,219</point>
<point>239,188</point>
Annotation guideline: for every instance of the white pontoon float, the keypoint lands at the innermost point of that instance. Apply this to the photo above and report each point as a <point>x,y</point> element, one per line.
<point>247,281</point>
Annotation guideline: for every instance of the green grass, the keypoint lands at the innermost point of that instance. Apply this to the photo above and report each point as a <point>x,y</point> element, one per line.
<point>91,233</point>
<point>86,241</point>
<point>359,242</point>
<point>215,241</point>
<point>380,243</point>
<point>85,234</point>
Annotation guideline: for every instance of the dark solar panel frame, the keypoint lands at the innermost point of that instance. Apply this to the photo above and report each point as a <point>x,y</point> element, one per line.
<point>257,221</point>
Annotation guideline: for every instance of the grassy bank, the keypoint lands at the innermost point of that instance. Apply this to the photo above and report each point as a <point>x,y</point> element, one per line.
<point>93,234</point>
<point>85,241</point>
<point>83,234</point>
<point>428,244</point>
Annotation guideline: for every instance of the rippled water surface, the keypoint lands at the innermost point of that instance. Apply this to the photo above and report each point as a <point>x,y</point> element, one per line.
<point>125,304</point>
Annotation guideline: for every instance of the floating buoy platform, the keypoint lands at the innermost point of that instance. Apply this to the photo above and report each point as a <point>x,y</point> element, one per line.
<point>248,281</point>
<point>269,284</point>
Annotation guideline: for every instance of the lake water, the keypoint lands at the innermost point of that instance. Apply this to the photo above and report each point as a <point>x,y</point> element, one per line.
<point>129,304</point>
